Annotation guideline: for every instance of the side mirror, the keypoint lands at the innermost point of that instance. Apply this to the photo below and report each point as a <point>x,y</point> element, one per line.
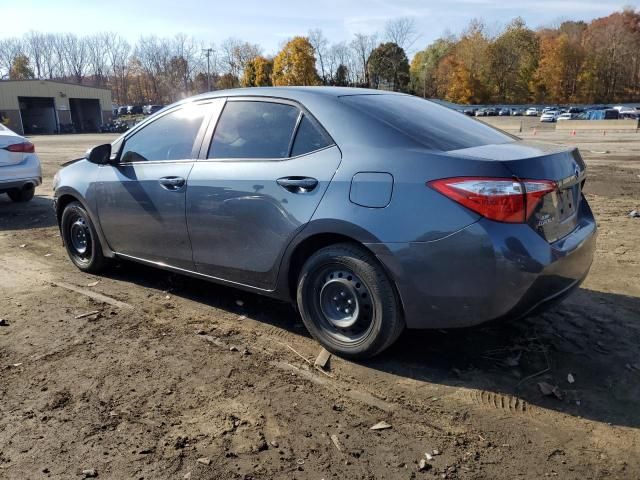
<point>100,154</point>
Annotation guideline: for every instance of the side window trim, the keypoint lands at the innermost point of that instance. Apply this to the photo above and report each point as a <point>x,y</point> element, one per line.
<point>217,107</point>
<point>264,159</point>
<point>197,143</point>
<point>295,133</point>
<point>213,108</point>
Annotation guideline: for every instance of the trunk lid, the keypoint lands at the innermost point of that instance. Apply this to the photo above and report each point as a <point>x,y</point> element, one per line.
<point>7,137</point>
<point>557,214</point>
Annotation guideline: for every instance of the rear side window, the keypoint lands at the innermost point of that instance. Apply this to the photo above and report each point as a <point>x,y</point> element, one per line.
<point>309,138</point>
<point>432,125</point>
<point>170,137</point>
<point>251,129</point>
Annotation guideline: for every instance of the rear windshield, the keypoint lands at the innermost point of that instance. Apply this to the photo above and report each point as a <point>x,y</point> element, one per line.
<point>434,126</point>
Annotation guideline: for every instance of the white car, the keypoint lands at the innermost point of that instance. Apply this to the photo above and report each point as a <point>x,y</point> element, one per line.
<point>20,171</point>
<point>531,112</point>
<point>549,116</point>
<point>565,116</point>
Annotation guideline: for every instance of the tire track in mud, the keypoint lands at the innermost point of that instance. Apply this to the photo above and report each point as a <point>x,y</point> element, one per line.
<point>498,401</point>
<point>370,385</point>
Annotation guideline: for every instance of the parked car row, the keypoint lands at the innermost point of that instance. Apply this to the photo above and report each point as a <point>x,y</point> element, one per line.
<point>136,110</point>
<point>557,113</point>
<point>493,112</point>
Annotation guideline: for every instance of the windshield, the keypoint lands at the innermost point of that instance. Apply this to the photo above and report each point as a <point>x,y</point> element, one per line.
<point>432,125</point>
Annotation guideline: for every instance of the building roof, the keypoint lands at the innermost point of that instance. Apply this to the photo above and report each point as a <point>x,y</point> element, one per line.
<point>52,81</point>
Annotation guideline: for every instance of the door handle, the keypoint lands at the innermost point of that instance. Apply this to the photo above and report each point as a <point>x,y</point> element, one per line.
<point>172,183</point>
<point>298,184</point>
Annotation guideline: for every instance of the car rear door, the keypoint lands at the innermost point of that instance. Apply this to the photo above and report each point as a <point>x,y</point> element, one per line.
<point>141,198</point>
<point>257,184</point>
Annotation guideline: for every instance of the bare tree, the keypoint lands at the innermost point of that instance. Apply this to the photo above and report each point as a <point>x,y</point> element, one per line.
<point>402,32</point>
<point>10,48</point>
<point>154,55</point>
<point>338,54</point>
<point>76,55</point>
<point>235,54</point>
<point>35,44</point>
<point>98,57</point>
<point>118,49</point>
<point>362,46</point>
<point>186,51</point>
<point>319,43</point>
<point>50,60</point>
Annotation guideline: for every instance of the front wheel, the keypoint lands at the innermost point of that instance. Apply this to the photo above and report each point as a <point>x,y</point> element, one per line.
<point>348,303</point>
<point>81,240</point>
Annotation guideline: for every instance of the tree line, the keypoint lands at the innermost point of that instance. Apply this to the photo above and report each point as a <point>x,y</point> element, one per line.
<point>574,62</point>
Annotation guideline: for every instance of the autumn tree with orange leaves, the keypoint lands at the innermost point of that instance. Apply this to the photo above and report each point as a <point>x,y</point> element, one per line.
<point>295,64</point>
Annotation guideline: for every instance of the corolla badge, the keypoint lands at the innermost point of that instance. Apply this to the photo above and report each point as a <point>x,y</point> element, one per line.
<point>546,218</point>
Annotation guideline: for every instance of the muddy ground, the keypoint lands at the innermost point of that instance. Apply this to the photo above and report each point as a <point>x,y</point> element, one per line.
<point>176,378</point>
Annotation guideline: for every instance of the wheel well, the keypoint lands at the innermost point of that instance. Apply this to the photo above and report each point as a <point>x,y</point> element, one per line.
<point>307,248</point>
<point>62,202</point>
<point>314,243</point>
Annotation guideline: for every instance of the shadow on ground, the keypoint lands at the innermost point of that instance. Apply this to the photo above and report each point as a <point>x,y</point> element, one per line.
<point>37,213</point>
<point>593,336</point>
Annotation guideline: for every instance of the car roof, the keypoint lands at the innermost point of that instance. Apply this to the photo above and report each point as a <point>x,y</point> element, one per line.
<point>292,93</point>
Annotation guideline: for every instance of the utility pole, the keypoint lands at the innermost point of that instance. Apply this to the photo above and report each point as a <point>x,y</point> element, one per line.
<point>208,52</point>
<point>424,80</point>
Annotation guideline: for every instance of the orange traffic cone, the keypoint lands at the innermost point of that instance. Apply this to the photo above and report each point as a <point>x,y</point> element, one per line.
<point>573,133</point>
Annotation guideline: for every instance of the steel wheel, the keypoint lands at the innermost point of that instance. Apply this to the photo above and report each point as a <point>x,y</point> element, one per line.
<point>80,239</point>
<point>345,303</point>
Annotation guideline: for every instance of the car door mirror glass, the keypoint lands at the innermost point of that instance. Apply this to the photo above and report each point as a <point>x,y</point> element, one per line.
<point>100,154</point>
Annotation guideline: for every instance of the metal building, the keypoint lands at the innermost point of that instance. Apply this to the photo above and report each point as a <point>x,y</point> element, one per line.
<point>46,106</point>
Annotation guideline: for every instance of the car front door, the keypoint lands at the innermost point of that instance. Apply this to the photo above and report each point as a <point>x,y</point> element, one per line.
<point>268,165</point>
<point>141,197</point>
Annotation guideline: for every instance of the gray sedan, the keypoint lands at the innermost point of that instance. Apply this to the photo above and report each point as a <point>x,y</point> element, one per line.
<point>371,211</point>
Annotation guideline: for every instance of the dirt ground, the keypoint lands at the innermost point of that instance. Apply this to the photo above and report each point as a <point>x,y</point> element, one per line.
<point>174,378</point>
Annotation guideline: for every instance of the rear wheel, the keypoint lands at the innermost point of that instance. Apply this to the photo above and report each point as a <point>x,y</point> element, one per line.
<point>23,194</point>
<point>348,303</point>
<point>81,240</point>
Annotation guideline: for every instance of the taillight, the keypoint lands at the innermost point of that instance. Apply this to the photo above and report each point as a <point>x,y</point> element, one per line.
<point>500,199</point>
<point>24,147</point>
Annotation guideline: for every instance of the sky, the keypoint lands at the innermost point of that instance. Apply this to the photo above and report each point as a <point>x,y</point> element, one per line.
<point>270,23</point>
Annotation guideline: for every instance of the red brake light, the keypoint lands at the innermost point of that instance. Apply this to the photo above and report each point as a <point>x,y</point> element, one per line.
<point>500,199</point>
<point>24,147</point>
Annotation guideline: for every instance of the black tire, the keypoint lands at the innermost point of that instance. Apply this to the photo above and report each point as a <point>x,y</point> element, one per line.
<point>23,194</point>
<point>348,303</point>
<point>80,239</point>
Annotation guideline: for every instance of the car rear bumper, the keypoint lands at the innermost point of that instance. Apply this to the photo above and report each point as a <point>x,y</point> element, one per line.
<point>21,174</point>
<point>19,184</point>
<point>486,271</point>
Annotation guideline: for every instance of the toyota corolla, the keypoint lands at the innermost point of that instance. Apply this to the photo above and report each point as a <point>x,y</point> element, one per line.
<point>370,211</point>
